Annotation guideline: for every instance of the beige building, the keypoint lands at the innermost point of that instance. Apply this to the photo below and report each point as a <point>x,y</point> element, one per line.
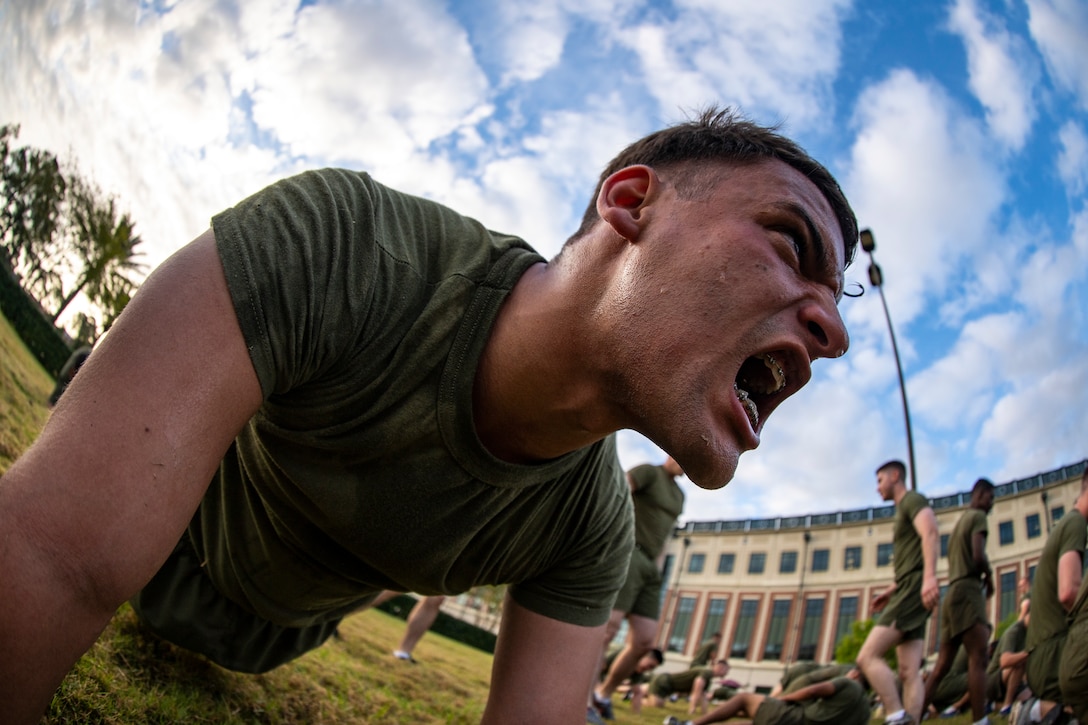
<point>786,589</point>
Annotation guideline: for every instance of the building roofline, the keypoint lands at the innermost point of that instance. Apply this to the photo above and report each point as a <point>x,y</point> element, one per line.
<point>878,513</point>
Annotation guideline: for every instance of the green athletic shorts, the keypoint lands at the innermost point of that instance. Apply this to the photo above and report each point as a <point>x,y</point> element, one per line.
<point>181,605</point>
<point>1042,668</point>
<point>964,606</point>
<point>641,592</point>
<point>905,612</point>
<point>1073,670</point>
<point>779,712</point>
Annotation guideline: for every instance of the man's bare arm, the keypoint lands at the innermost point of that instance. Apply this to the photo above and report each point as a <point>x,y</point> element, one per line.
<point>925,523</point>
<point>1069,576</point>
<point>541,669</point>
<point>91,511</point>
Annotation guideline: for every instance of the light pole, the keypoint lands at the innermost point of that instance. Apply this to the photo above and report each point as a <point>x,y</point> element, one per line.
<point>794,637</point>
<point>876,278</point>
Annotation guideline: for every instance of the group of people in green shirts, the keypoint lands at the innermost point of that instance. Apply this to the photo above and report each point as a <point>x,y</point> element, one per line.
<point>1037,672</point>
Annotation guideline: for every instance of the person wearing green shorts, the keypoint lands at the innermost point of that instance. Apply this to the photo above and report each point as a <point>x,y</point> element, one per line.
<point>838,701</point>
<point>1073,665</point>
<point>1005,673</point>
<point>693,683</point>
<point>1053,593</point>
<point>906,604</point>
<point>658,501</point>
<point>963,613</point>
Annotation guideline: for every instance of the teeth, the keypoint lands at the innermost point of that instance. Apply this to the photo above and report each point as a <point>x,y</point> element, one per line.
<point>777,374</point>
<point>749,405</point>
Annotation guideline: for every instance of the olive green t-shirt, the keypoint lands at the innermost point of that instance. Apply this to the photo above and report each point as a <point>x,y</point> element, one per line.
<point>684,680</point>
<point>1048,616</point>
<point>366,311</point>
<point>849,705</point>
<point>961,555</point>
<point>906,544</point>
<point>658,502</point>
<point>820,673</point>
<point>1012,641</point>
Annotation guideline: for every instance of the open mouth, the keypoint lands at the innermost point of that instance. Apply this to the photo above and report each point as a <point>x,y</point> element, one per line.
<point>759,378</point>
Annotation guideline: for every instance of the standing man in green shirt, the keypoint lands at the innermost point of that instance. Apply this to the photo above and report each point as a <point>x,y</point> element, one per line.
<point>906,604</point>
<point>658,501</point>
<point>1053,594</point>
<point>963,613</point>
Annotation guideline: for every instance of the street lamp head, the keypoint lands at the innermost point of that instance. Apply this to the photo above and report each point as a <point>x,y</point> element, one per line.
<point>876,277</point>
<point>868,241</point>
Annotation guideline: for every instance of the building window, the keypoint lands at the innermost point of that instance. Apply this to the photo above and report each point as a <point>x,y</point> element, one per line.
<point>1056,513</point>
<point>883,554</point>
<point>1004,533</point>
<point>746,621</point>
<point>851,558</point>
<point>681,625</point>
<point>696,563</point>
<point>810,630</point>
<point>756,562</point>
<point>944,546</point>
<point>726,562</point>
<point>788,563</point>
<point>820,558</point>
<point>715,617</point>
<point>1031,573</point>
<point>1035,530</point>
<point>1007,589</point>
<point>776,634</point>
<point>848,614</point>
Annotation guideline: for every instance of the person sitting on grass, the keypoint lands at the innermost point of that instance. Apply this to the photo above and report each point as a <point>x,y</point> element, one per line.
<point>694,683</point>
<point>841,700</point>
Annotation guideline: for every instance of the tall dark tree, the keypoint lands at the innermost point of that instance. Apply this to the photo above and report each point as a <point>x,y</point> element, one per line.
<point>61,236</point>
<point>32,192</point>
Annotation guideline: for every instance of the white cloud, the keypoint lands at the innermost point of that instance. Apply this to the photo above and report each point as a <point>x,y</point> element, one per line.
<point>1073,158</point>
<point>775,60</point>
<point>1002,71</point>
<point>922,177</point>
<point>1059,28</point>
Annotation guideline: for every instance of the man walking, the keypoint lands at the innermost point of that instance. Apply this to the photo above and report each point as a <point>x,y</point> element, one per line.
<point>658,501</point>
<point>963,613</point>
<point>906,604</point>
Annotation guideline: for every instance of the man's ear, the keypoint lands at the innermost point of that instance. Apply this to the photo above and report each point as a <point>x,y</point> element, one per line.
<point>623,198</point>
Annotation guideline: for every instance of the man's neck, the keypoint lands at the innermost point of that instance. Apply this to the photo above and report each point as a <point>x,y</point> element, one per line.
<point>535,397</point>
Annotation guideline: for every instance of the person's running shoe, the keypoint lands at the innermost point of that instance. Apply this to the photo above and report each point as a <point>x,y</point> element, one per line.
<point>1021,712</point>
<point>904,719</point>
<point>671,720</point>
<point>604,706</point>
<point>593,717</point>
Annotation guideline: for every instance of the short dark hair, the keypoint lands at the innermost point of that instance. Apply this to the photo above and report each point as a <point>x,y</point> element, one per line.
<point>724,136</point>
<point>895,465</point>
<point>983,485</point>
<point>657,655</point>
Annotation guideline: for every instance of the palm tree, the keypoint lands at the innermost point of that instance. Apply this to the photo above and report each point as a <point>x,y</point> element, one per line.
<point>104,245</point>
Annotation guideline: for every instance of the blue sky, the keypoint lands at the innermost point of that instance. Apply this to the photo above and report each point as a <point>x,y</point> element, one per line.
<point>959,130</point>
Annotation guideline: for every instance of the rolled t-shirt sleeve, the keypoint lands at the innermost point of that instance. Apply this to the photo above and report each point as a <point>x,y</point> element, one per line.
<point>298,277</point>
<point>581,587</point>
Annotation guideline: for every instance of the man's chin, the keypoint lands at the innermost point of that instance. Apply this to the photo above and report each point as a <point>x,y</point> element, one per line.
<point>711,472</point>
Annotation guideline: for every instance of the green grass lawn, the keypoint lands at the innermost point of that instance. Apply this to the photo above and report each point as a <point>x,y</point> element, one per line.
<point>132,677</point>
